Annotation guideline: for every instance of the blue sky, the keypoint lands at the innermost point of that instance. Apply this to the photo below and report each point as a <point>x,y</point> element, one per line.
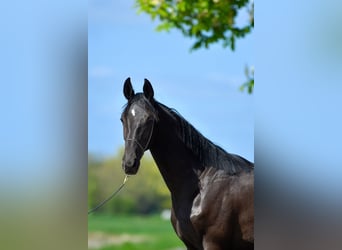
<point>201,85</point>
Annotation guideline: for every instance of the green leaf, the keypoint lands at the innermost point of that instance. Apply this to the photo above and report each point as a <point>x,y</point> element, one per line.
<point>164,26</point>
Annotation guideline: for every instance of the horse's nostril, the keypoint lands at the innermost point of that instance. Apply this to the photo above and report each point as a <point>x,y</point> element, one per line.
<point>129,163</point>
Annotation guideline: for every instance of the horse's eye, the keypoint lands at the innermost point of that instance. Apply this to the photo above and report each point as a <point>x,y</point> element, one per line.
<point>121,120</point>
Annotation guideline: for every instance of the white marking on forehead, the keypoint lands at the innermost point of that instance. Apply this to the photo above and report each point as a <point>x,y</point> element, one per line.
<point>133,112</point>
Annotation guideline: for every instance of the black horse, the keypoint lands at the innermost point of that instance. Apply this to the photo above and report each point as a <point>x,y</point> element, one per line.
<point>212,191</point>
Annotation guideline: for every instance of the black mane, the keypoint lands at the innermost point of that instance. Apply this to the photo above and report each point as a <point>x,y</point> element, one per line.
<point>209,154</point>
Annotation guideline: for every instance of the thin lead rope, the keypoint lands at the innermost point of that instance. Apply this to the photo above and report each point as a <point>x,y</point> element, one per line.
<point>110,197</point>
<point>126,177</point>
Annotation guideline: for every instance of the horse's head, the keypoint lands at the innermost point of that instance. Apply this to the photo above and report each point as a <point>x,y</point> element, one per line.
<point>138,121</point>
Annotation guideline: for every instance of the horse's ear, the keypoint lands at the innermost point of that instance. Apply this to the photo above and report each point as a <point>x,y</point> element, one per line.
<point>128,89</point>
<point>148,90</point>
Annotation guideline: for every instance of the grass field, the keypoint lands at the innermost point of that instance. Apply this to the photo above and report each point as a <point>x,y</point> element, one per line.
<point>131,233</point>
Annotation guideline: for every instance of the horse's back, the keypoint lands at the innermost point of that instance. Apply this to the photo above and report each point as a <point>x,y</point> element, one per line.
<point>223,211</point>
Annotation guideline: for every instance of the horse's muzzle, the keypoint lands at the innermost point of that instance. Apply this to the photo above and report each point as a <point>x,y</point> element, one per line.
<point>131,166</point>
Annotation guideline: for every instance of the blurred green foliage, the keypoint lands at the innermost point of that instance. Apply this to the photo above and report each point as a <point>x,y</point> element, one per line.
<point>205,21</point>
<point>144,193</point>
<point>249,84</point>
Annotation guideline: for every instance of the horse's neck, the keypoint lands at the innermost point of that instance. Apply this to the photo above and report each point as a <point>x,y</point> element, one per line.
<point>176,165</point>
